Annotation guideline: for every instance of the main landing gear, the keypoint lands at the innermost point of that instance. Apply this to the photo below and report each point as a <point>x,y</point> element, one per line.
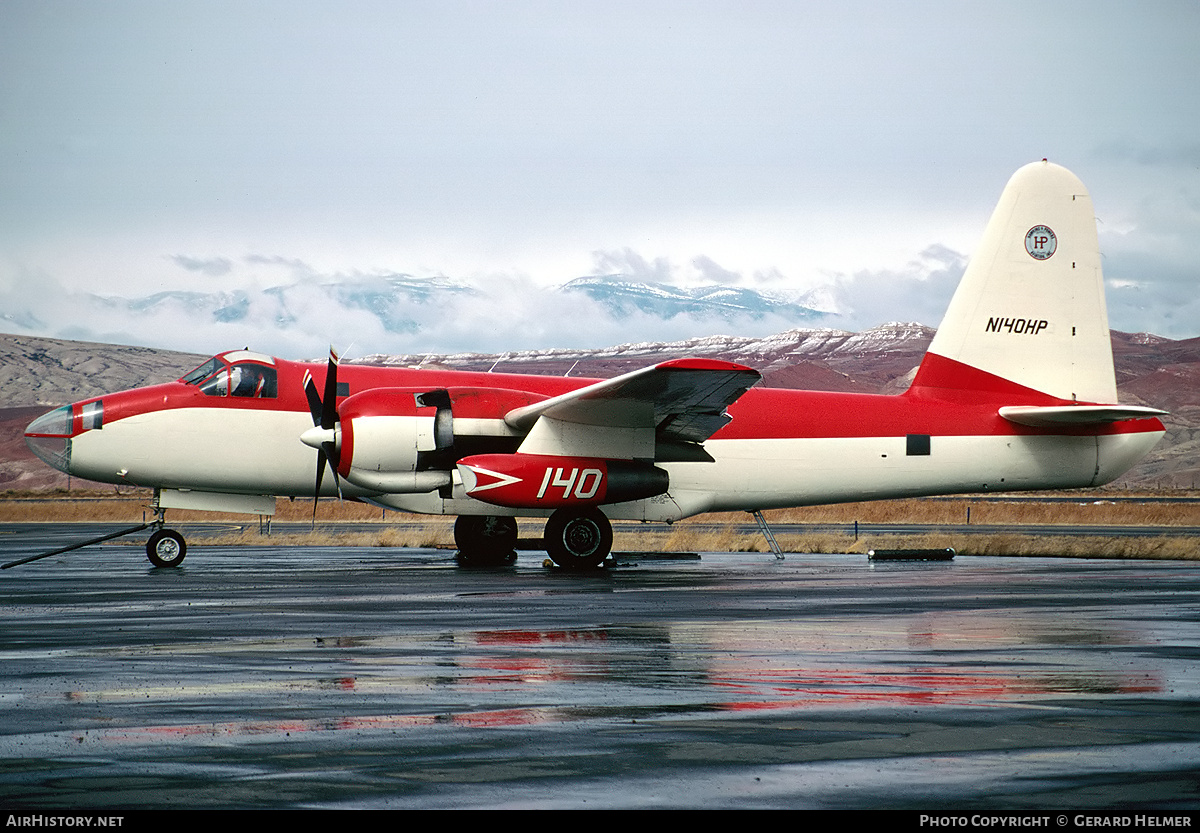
<point>486,540</point>
<point>578,539</point>
<point>575,539</point>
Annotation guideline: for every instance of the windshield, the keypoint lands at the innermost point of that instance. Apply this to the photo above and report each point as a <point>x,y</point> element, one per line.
<point>202,372</point>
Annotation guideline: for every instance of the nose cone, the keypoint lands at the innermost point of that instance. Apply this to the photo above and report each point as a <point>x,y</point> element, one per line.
<point>49,437</point>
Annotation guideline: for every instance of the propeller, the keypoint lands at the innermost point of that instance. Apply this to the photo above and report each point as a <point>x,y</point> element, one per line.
<point>323,436</point>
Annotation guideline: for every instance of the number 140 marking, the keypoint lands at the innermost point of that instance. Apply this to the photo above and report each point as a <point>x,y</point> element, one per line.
<point>585,483</point>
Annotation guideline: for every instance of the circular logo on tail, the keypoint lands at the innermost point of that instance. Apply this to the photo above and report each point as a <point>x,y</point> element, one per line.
<point>1040,242</point>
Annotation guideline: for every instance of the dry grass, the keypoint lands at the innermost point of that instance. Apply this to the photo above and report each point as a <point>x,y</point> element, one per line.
<point>110,506</point>
<point>439,535</point>
<point>403,530</point>
<point>1083,508</point>
<point>729,539</point>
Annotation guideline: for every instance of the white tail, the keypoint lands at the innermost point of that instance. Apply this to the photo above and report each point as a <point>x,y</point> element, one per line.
<point>1030,307</point>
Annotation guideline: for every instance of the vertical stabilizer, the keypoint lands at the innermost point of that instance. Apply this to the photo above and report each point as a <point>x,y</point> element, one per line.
<point>1030,307</point>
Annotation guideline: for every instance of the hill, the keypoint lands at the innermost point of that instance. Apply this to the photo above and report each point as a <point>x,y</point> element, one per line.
<point>39,373</point>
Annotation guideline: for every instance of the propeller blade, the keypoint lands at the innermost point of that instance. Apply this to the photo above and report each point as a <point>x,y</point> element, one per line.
<point>317,488</point>
<point>329,401</point>
<point>314,398</point>
<point>324,415</point>
<point>331,454</point>
<point>329,416</point>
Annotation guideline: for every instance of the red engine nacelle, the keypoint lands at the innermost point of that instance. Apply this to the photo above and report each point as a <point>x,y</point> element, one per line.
<point>400,440</point>
<point>528,481</point>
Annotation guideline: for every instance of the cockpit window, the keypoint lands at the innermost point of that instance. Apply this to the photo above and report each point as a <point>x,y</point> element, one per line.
<point>252,380</point>
<point>217,384</point>
<point>248,379</point>
<point>203,371</point>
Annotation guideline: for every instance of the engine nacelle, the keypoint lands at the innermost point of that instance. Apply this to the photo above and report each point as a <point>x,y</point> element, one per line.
<point>381,432</point>
<point>403,440</point>
<point>529,481</point>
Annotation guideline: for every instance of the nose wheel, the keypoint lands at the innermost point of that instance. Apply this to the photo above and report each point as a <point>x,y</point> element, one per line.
<point>166,548</point>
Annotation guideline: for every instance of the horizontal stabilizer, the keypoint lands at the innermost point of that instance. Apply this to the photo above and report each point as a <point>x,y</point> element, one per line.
<point>1052,415</point>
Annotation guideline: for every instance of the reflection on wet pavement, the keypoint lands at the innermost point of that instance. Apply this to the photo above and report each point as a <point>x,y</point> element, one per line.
<point>392,678</point>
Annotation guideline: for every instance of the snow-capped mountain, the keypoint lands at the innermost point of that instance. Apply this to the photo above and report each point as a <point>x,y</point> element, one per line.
<point>409,305</point>
<point>622,296</point>
<point>389,298</point>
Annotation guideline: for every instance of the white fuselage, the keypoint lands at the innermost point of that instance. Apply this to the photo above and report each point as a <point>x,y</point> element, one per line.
<point>247,451</point>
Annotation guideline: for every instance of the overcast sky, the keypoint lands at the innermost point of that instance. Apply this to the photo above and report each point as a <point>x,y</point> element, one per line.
<point>513,146</point>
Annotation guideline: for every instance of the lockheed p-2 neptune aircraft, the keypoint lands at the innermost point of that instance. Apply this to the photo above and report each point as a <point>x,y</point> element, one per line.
<point>1016,392</point>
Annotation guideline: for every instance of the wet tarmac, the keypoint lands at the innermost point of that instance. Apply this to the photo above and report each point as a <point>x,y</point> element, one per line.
<point>392,678</point>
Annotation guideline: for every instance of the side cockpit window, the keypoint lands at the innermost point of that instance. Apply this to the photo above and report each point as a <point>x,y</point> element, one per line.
<point>245,379</point>
<point>252,380</point>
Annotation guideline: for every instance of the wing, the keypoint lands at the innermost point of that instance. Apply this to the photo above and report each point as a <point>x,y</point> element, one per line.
<point>680,401</point>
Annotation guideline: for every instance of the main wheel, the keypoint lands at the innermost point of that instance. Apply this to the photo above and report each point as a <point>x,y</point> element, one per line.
<point>578,539</point>
<point>166,548</point>
<point>485,539</point>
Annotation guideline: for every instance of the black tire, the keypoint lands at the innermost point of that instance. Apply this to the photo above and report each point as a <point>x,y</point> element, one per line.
<point>578,539</point>
<point>487,540</point>
<point>166,548</point>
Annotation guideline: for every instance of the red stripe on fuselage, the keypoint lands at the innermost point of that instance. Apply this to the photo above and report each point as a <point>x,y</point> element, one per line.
<point>947,399</point>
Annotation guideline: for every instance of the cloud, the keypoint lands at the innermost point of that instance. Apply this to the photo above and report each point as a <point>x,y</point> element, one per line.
<point>699,270</point>
<point>373,312</point>
<point>1166,305</point>
<point>712,272</point>
<point>630,264</point>
<point>920,291</point>
<point>1182,154</point>
<point>212,267</point>
<point>286,306</point>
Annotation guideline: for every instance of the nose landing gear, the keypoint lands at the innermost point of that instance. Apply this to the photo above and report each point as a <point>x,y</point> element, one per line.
<point>166,548</point>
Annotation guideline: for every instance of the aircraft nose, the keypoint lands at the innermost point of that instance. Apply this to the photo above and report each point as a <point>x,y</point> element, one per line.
<point>49,437</point>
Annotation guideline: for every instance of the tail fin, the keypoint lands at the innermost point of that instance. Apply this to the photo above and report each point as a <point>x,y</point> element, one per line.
<point>1030,309</point>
